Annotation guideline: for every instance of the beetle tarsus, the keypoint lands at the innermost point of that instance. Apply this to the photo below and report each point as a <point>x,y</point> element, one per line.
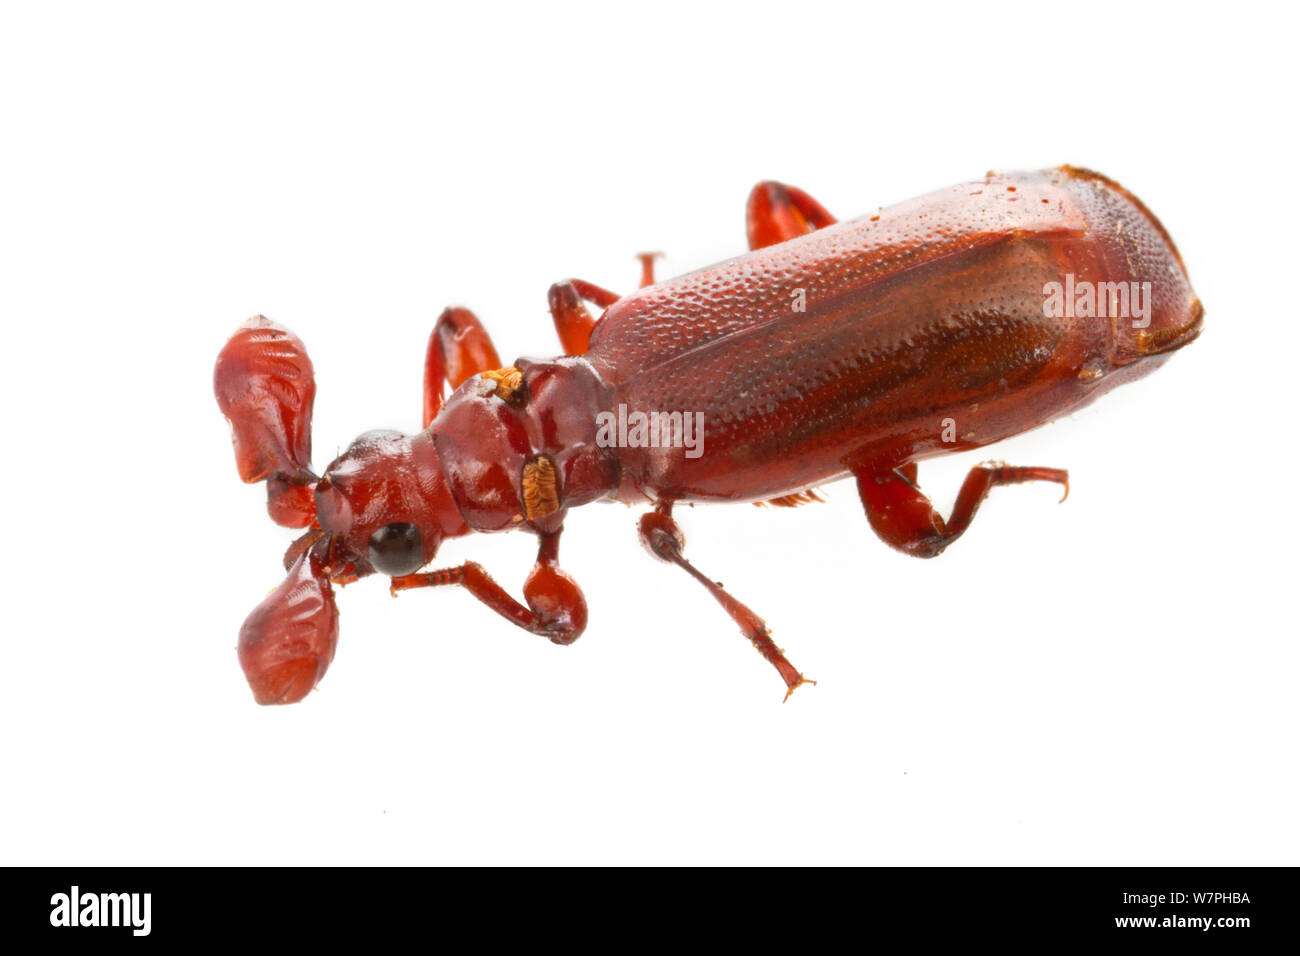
<point>790,688</point>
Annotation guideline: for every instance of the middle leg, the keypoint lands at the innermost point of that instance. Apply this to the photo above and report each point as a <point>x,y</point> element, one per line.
<point>776,212</point>
<point>662,537</point>
<point>573,323</point>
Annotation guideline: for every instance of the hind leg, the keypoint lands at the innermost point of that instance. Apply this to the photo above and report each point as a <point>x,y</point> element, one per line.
<point>901,514</point>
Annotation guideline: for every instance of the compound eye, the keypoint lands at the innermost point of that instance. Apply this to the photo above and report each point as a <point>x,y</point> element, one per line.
<point>397,549</point>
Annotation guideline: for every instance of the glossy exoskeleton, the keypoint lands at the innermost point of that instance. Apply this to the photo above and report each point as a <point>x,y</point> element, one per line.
<point>830,350</point>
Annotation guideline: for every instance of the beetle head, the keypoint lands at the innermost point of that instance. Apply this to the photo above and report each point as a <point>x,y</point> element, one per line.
<point>385,505</point>
<point>382,506</point>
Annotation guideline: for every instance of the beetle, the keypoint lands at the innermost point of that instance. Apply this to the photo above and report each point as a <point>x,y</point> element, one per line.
<point>830,350</point>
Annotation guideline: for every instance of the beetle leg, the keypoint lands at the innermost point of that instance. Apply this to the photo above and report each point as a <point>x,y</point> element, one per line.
<point>648,267</point>
<point>459,347</point>
<point>663,538</point>
<point>776,212</point>
<point>573,323</point>
<point>904,518</point>
<point>556,608</point>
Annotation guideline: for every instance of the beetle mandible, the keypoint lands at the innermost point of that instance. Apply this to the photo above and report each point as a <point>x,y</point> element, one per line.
<point>831,349</point>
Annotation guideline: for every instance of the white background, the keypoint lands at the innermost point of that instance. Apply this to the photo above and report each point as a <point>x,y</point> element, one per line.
<point>1112,680</point>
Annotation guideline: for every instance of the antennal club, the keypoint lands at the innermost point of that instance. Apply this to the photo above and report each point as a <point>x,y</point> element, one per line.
<point>265,387</point>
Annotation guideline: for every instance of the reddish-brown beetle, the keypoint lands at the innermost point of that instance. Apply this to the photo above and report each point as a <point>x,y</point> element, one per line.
<point>832,349</point>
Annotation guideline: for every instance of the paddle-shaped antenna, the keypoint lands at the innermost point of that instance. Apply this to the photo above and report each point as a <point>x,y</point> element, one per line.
<point>265,387</point>
<point>289,640</point>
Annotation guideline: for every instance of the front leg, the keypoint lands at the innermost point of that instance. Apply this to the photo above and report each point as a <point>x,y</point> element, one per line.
<point>459,347</point>
<point>556,608</point>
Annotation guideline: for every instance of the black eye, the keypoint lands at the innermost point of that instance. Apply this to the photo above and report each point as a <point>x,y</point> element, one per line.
<point>397,549</point>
